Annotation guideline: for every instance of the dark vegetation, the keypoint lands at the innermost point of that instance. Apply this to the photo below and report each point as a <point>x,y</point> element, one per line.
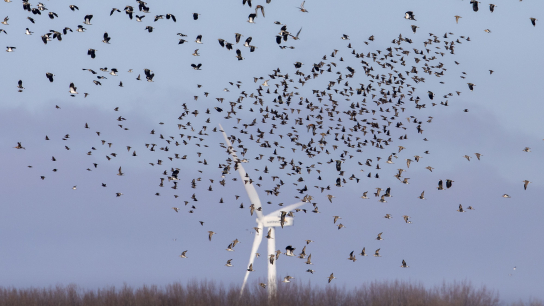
<point>207,293</point>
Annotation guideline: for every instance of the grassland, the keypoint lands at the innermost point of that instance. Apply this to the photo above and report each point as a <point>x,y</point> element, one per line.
<point>208,293</point>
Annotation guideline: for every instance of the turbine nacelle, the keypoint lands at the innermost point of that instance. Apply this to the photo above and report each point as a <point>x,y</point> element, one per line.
<point>274,221</point>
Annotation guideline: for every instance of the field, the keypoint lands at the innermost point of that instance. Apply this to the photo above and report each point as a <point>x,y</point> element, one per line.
<point>209,293</point>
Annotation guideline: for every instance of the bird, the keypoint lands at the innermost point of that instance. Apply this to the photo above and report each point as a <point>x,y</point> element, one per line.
<point>210,235</point>
<point>87,19</point>
<point>457,18</point>
<point>289,251</point>
<point>379,236</point>
<point>73,89</point>
<point>49,76</point>
<point>404,265</point>
<point>250,269</point>
<point>406,219</point>
<point>92,53</point>
<point>474,5</point>
<point>296,36</point>
<point>183,254</point>
<point>10,49</point>
<point>352,257</point>
<point>422,195</point>
<point>195,16</point>
<point>533,21</point>
<point>239,54</point>
<point>301,8</point>
<point>198,39</point>
<point>363,252</point>
<point>505,196</point>
<point>170,16</point>
<point>106,39</point>
<point>478,155</point>
<point>196,66</point>
<point>119,172</point>
<point>331,277</point>
<point>525,184</point>
<point>287,279</point>
<point>229,264</point>
<point>377,253</point>
<point>149,75</point>
<point>409,15</point>
<point>237,37</point>
<point>492,7</point>
<point>461,208</point>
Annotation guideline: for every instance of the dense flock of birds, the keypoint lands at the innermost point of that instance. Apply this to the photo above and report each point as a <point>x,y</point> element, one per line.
<point>356,125</point>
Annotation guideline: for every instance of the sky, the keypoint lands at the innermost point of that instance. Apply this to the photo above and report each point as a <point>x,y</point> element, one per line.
<point>53,234</point>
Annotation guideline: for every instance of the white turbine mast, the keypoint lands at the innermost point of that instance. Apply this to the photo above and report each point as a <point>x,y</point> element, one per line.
<point>270,221</point>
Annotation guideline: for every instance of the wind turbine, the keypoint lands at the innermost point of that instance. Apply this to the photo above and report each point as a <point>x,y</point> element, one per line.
<point>273,219</point>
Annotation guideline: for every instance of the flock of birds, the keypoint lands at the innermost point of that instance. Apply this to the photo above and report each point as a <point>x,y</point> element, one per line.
<point>295,134</point>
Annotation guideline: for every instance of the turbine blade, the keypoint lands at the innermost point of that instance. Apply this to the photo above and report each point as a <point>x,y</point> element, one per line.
<point>250,189</point>
<point>256,242</point>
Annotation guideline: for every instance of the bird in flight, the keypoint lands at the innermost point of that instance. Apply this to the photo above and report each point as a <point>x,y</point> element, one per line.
<point>302,9</point>
<point>409,15</point>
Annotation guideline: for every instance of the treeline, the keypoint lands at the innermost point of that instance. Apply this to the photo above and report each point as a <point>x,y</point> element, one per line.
<point>208,293</point>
